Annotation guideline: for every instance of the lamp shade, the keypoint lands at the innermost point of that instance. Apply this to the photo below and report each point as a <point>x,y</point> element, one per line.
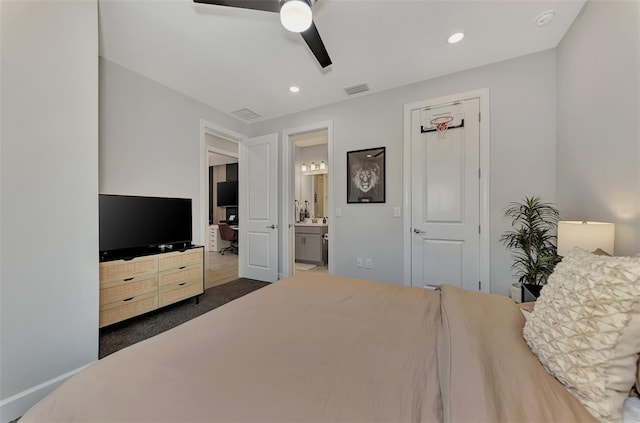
<point>586,235</point>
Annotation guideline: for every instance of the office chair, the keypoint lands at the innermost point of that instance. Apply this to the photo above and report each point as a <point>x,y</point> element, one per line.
<point>228,234</point>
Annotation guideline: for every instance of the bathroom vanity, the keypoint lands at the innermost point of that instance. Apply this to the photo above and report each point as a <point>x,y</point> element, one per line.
<point>311,247</point>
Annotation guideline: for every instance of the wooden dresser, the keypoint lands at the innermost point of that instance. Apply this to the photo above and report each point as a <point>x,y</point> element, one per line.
<point>130,287</point>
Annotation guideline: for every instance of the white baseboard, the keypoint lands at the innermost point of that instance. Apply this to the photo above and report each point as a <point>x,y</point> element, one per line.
<point>16,405</point>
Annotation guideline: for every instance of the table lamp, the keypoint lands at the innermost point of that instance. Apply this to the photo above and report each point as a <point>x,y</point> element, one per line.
<point>586,235</point>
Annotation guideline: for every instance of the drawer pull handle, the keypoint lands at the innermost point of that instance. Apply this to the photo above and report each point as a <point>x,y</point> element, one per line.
<point>182,283</point>
<point>128,279</point>
<point>182,267</point>
<point>128,299</point>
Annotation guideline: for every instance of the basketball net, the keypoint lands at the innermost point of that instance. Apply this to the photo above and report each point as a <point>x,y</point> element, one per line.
<point>442,124</point>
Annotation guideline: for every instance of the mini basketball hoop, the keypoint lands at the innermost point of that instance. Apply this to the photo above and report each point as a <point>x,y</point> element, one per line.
<point>441,123</point>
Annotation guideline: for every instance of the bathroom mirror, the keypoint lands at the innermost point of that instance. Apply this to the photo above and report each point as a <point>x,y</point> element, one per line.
<point>320,195</point>
<point>315,189</point>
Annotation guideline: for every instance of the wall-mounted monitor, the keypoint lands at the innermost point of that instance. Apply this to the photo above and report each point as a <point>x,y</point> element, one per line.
<point>128,222</point>
<point>227,193</point>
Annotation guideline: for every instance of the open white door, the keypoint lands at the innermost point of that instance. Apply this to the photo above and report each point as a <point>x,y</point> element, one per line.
<point>258,208</point>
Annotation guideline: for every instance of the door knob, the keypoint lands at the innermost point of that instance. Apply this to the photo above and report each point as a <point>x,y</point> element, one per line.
<point>272,227</point>
<point>418,231</point>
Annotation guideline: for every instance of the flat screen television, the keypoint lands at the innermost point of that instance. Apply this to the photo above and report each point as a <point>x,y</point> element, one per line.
<point>128,222</point>
<point>227,194</point>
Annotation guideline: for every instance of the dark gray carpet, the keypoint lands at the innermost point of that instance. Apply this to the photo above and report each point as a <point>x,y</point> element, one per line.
<point>121,335</point>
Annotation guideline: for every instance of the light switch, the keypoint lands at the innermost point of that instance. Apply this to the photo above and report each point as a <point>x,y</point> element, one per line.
<point>396,212</point>
<point>338,212</point>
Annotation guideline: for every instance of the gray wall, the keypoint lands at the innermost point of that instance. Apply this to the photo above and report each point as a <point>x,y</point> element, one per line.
<point>523,121</point>
<point>598,151</point>
<point>150,138</point>
<point>49,196</point>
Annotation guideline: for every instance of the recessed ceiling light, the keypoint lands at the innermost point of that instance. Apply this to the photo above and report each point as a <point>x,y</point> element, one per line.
<point>455,38</point>
<point>294,89</point>
<point>545,18</point>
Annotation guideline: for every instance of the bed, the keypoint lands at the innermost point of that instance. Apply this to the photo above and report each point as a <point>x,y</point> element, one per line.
<point>321,348</point>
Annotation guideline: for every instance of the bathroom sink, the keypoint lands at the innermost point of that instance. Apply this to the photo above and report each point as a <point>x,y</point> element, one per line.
<point>319,223</point>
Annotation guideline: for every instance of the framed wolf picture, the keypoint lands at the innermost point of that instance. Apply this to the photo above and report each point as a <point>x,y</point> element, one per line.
<point>366,176</point>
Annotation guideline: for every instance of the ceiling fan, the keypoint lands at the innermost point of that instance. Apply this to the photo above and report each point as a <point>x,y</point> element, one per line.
<point>295,16</point>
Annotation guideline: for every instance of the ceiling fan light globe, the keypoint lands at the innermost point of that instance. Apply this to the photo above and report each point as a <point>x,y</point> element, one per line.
<point>295,15</point>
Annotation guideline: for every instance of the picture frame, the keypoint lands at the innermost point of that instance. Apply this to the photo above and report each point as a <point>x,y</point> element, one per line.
<point>366,176</point>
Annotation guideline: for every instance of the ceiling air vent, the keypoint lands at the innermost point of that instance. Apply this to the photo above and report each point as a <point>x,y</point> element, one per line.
<point>245,114</point>
<point>355,89</point>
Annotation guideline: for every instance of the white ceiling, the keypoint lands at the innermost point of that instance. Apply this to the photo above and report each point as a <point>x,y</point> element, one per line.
<point>233,58</point>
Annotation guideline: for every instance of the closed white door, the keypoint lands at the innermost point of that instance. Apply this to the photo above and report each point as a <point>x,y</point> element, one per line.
<point>445,196</point>
<point>258,208</point>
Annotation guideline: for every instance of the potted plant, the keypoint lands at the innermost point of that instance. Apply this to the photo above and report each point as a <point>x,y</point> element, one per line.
<point>532,241</point>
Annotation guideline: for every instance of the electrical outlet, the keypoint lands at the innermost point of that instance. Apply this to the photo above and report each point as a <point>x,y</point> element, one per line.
<point>339,214</point>
<point>396,212</point>
<point>367,264</point>
<point>359,262</point>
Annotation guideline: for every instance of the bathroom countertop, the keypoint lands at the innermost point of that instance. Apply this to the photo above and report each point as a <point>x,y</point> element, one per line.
<point>312,224</point>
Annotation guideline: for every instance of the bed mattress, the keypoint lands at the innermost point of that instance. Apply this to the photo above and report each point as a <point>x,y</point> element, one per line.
<point>319,348</point>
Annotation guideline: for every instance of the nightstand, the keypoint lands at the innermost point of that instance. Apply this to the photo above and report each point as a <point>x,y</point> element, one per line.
<point>530,292</point>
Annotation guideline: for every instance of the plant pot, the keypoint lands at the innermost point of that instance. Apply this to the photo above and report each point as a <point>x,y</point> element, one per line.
<point>515,292</point>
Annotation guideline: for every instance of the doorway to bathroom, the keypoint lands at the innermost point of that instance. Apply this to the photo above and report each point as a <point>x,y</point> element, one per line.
<point>311,191</point>
<point>308,196</point>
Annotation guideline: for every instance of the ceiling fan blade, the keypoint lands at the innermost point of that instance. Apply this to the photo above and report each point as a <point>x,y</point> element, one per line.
<point>312,38</point>
<point>266,5</point>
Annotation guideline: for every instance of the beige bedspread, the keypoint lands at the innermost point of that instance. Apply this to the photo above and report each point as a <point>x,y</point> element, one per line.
<point>305,349</point>
<point>317,348</point>
<point>488,373</point>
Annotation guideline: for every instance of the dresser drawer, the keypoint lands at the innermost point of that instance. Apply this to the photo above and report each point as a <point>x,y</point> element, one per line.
<point>169,294</point>
<point>119,290</point>
<point>180,258</point>
<point>129,288</point>
<point>124,309</point>
<point>124,269</point>
<point>183,273</point>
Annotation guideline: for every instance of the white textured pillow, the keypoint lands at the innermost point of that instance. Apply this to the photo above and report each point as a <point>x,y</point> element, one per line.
<point>585,329</point>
